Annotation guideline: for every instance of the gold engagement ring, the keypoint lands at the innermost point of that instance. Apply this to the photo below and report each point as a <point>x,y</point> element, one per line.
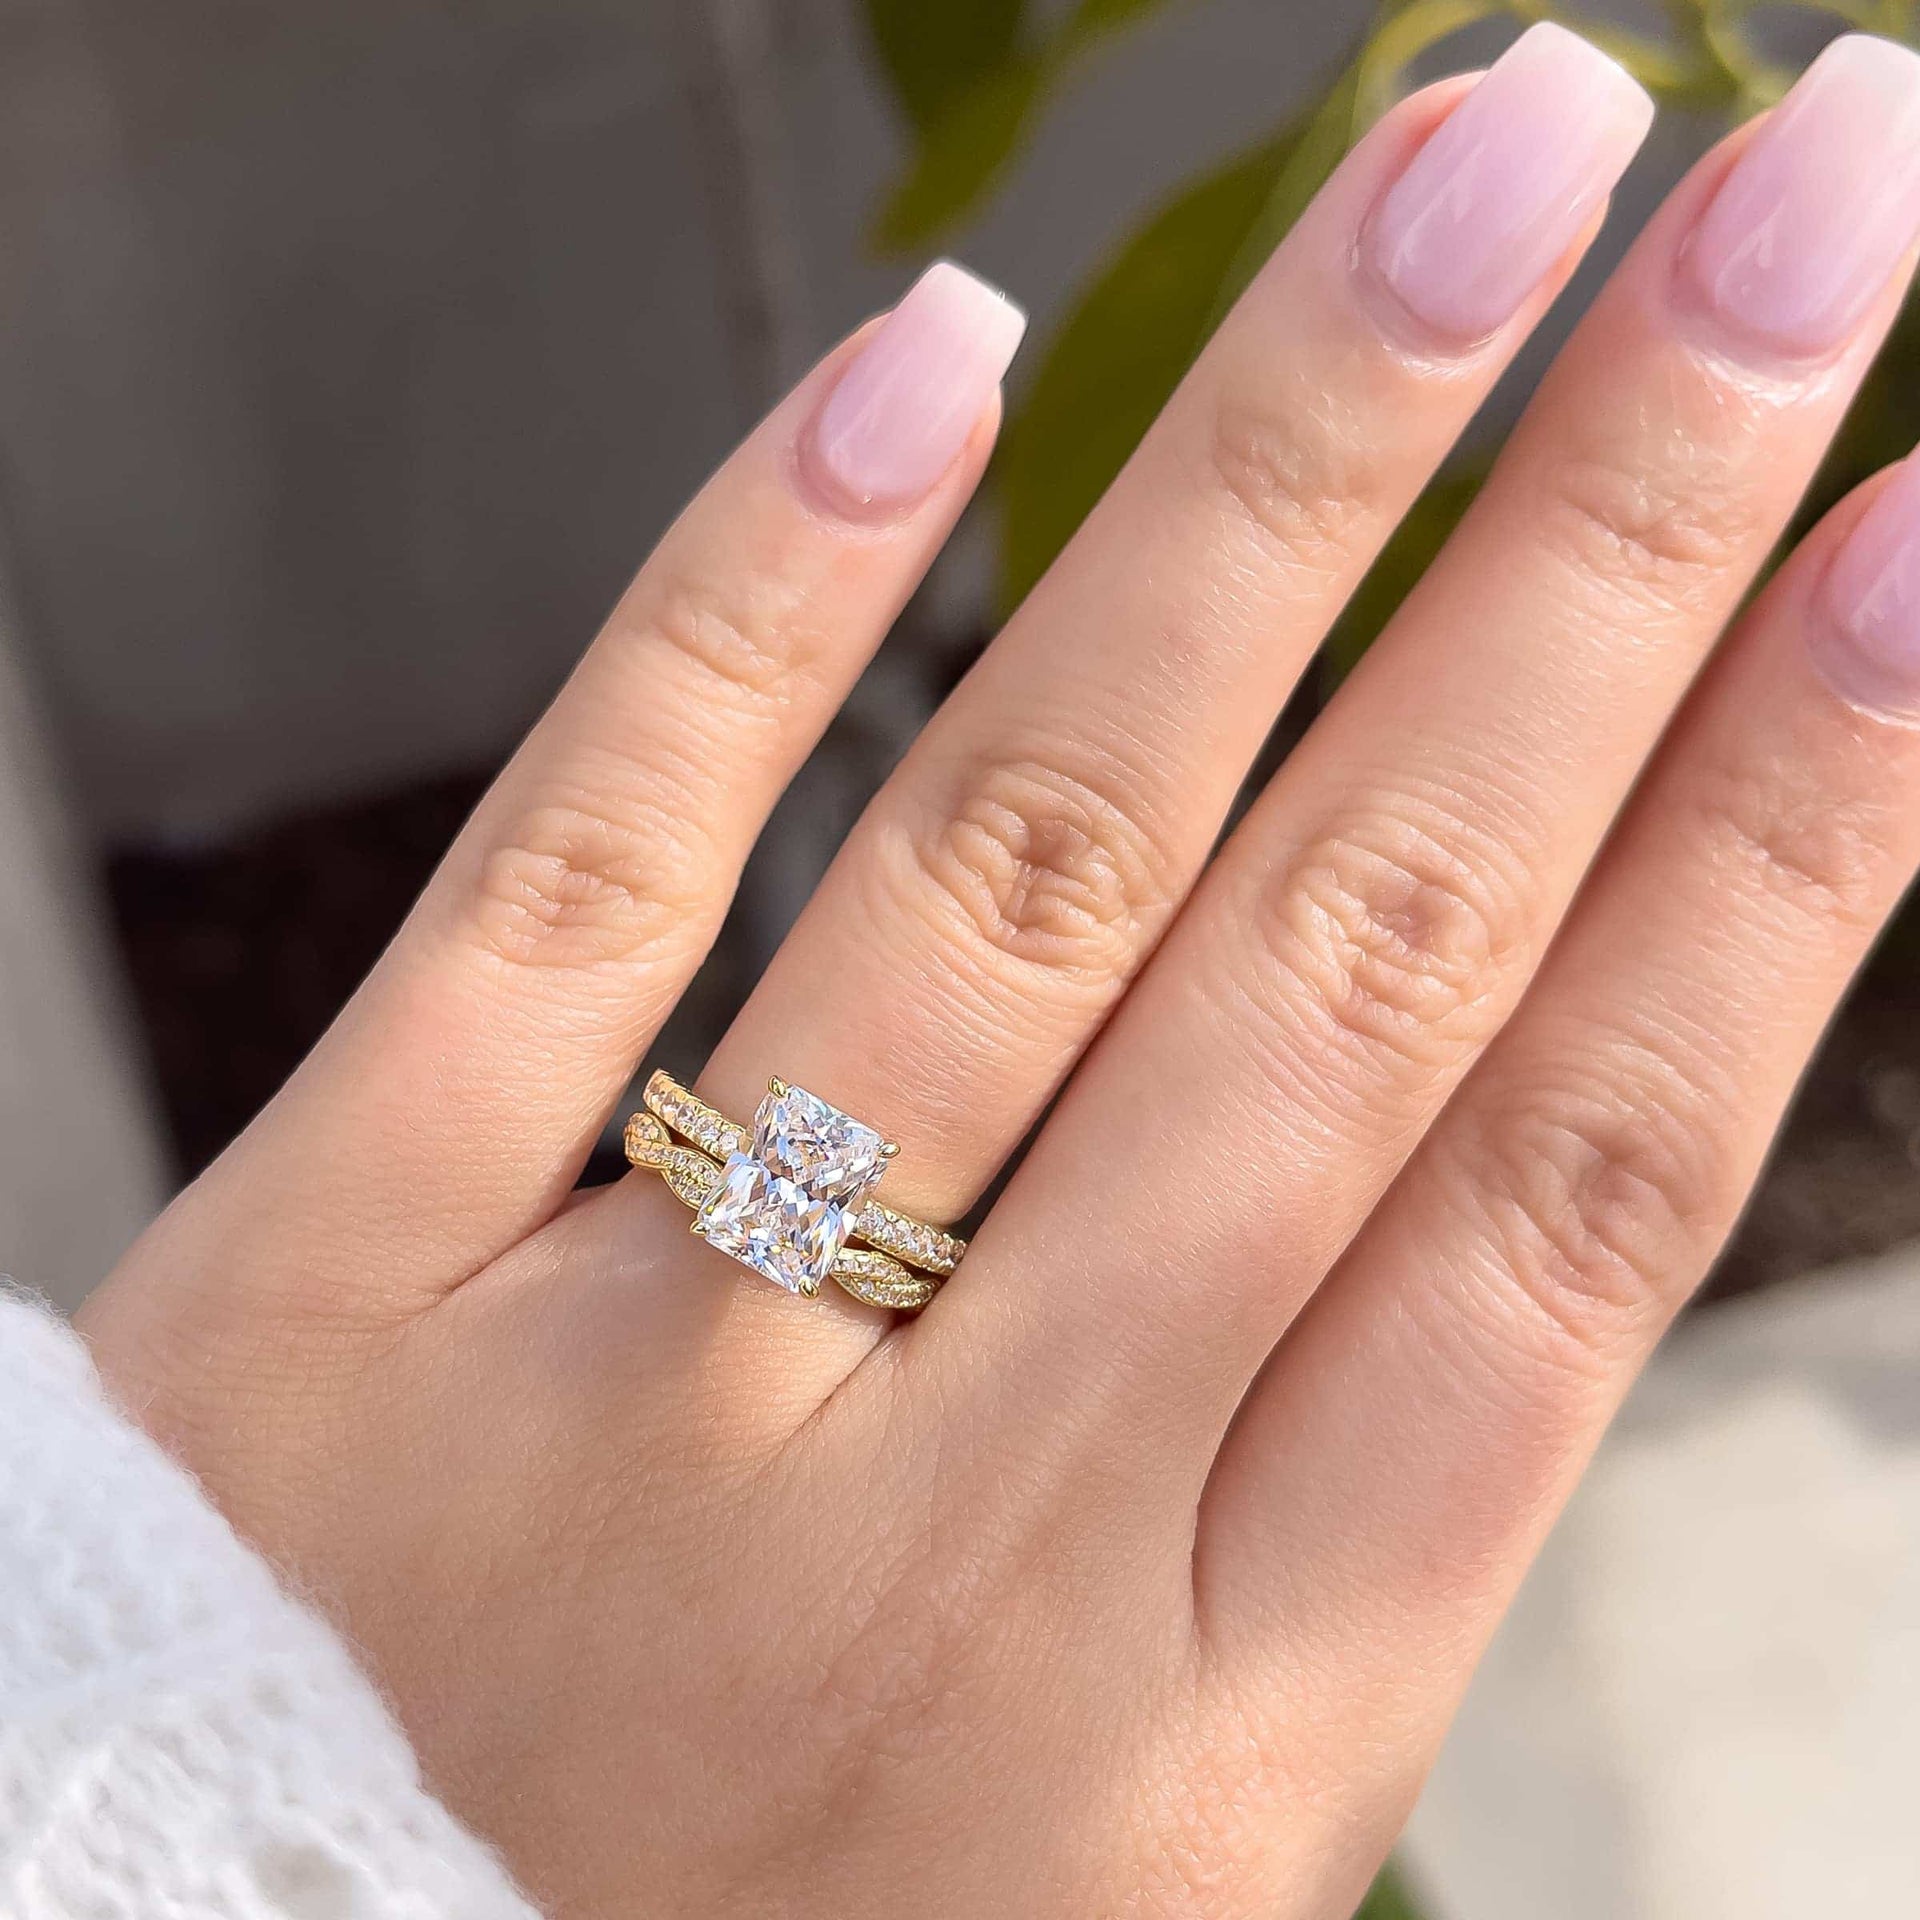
<point>789,1195</point>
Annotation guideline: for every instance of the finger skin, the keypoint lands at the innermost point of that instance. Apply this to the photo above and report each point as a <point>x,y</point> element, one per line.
<point>458,1095</point>
<point>1003,889</point>
<point>1375,919</point>
<point>1452,1378</point>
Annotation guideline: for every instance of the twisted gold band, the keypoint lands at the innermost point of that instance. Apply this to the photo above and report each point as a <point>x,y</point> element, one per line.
<point>901,1264</point>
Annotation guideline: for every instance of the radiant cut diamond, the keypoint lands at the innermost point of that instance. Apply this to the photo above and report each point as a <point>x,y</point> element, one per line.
<point>835,1158</point>
<point>786,1209</point>
<point>773,1226</point>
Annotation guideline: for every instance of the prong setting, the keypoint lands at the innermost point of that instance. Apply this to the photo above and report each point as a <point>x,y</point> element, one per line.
<point>790,1196</point>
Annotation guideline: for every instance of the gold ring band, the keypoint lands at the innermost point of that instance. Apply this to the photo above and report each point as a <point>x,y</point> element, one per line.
<point>787,1196</point>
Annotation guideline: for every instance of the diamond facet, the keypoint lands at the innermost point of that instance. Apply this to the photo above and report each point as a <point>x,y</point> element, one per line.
<point>803,1139</point>
<point>786,1208</point>
<point>773,1225</point>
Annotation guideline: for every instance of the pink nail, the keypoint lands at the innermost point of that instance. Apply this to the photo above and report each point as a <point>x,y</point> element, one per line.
<point>904,408</point>
<point>1819,210</point>
<point>1869,644</point>
<point>1490,205</point>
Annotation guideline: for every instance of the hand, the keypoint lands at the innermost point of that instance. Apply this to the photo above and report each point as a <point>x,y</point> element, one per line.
<point>1140,1573</point>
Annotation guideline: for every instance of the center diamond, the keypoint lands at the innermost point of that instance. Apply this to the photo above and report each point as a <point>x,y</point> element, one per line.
<point>773,1226</point>
<point>785,1209</point>
<point>799,1136</point>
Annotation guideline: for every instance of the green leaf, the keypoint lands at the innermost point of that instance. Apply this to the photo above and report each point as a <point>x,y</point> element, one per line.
<point>1093,17</point>
<point>1388,1900</point>
<point>1313,153</point>
<point>1403,36</point>
<point>971,85</point>
<point>1115,360</point>
<point>1355,100</point>
<point>1137,328</point>
<point>961,156</point>
<point>934,51</point>
<point>1680,76</point>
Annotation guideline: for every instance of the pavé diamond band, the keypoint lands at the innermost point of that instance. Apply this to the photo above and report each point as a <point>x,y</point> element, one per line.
<point>787,1196</point>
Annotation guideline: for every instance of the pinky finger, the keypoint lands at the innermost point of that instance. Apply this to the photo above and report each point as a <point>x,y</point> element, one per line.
<point>1409,1445</point>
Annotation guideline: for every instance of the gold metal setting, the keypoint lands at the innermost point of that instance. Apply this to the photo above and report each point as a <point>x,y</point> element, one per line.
<point>901,1262</point>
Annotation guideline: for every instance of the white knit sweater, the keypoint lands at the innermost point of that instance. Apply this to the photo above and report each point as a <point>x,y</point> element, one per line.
<point>179,1740</point>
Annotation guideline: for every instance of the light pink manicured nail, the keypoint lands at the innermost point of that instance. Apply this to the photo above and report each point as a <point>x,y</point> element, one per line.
<point>1507,183</point>
<point>1814,218</point>
<point>903,409</point>
<point>1869,643</point>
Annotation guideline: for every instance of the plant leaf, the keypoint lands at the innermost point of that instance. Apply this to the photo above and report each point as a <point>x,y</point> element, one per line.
<point>1388,1900</point>
<point>1313,153</point>
<point>1354,101</point>
<point>1401,38</point>
<point>961,156</point>
<point>969,74</point>
<point>1116,358</point>
<point>1093,17</point>
<point>934,51</point>
<point>1680,76</point>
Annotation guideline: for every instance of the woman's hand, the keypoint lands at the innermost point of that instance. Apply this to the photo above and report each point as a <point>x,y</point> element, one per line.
<point>1141,1573</point>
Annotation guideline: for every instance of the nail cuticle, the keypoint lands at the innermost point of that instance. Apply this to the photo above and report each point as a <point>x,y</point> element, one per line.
<point>1864,612</point>
<point>1873,699</point>
<point>1409,338</point>
<point>1752,365</point>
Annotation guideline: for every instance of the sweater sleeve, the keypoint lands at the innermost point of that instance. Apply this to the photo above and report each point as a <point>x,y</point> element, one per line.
<point>177,1735</point>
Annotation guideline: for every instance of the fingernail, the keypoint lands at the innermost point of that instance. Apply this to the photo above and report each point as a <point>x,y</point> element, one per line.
<point>1869,644</point>
<point>1820,209</point>
<point>1508,182</point>
<point>904,408</point>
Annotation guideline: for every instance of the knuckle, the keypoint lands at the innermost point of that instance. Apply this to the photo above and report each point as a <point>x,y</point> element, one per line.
<point>753,640</point>
<point>1048,866</point>
<point>1399,938</point>
<point>1783,828</point>
<point>1303,475</point>
<point>570,885</point>
<point>1603,1195</point>
<point>1664,530</point>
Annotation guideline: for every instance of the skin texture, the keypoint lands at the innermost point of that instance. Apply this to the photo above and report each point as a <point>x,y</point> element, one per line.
<point>1141,1574</point>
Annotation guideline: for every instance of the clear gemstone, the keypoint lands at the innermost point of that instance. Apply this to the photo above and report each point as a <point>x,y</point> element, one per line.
<point>801,1138</point>
<point>773,1225</point>
<point>786,1209</point>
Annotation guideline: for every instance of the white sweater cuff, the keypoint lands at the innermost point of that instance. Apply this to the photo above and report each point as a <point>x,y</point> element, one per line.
<point>177,1735</point>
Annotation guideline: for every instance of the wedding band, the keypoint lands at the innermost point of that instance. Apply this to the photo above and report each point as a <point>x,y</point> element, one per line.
<point>787,1196</point>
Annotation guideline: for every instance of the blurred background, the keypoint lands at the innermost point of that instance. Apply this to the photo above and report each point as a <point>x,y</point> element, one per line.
<point>350,360</point>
